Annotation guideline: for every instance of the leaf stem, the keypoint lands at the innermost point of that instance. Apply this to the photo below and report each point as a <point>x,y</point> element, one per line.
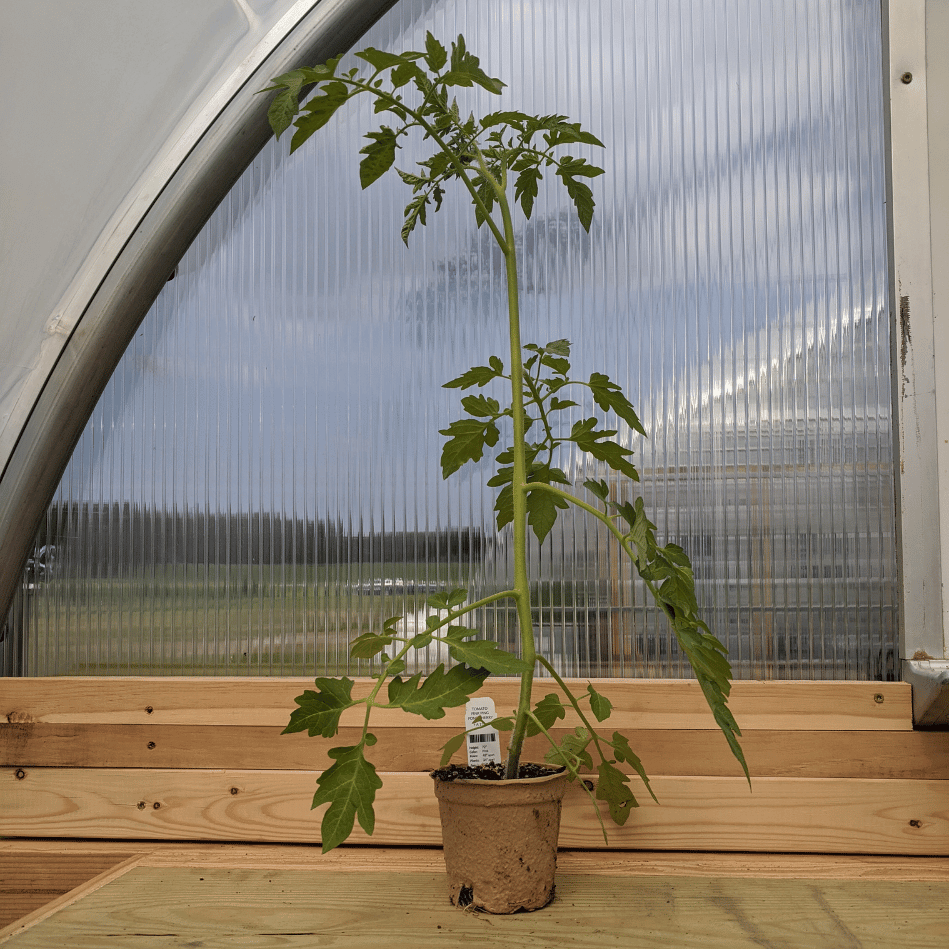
<point>574,771</point>
<point>370,700</point>
<point>576,706</point>
<point>617,533</point>
<point>452,616</point>
<point>538,400</point>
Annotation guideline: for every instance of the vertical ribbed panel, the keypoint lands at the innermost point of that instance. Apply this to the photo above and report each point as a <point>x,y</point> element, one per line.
<point>259,482</point>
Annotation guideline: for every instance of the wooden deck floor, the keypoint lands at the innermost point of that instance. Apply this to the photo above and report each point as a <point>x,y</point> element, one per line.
<point>262,896</point>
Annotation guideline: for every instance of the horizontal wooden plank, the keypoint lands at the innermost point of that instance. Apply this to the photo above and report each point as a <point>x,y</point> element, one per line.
<point>33,870</point>
<point>638,703</point>
<point>618,862</point>
<point>189,907</point>
<point>781,814</point>
<point>802,754</point>
<point>774,866</point>
<point>810,866</point>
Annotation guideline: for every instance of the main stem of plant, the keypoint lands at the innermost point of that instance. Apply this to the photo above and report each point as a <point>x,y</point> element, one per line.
<point>522,593</point>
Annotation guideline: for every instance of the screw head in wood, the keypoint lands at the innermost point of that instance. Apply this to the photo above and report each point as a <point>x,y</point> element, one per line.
<point>906,78</point>
<point>878,698</point>
<point>151,745</point>
<point>141,805</point>
<point>20,774</point>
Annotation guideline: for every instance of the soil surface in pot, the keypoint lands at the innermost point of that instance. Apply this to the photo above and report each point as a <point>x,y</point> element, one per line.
<point>493,772</point>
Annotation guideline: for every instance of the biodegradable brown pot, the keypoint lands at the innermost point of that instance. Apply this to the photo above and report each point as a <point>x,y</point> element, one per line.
<point>500,840</point>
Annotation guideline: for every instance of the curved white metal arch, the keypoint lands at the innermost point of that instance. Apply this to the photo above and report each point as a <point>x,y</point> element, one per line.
<point>86,335</point>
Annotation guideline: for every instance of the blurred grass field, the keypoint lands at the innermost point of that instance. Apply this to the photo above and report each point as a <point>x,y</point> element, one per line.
<point>219,620</point>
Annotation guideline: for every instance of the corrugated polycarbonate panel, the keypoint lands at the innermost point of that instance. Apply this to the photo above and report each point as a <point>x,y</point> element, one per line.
<point>260,481</point>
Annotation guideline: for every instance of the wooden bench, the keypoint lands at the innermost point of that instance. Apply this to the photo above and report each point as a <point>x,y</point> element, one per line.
<point>124,767</point>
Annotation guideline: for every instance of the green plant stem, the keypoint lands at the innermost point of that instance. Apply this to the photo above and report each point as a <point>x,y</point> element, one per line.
<point>519,493</point>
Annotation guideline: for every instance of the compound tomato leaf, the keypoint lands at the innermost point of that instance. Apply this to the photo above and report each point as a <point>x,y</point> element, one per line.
<point>380,154</point>
<point>349,787</point>
<point>368,645</point>
<point>320,711</point>
<point>600,704</point>
<point>438,691</point>
<point>466,442</point>
<point>486,654</point>
<point>613,787</point>
<point>450,747</point>
<point>624,753</point>
<point>435,54</point>
<point>547,711</point>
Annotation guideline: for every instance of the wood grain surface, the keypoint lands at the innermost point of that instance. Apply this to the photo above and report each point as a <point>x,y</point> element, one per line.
<point>285,908</point>
<point>638,703</point>
<point>31,879</point>
<point>351,857</point>
<point>803,754</point>
<point>837,766</point>
<point>697,813</point>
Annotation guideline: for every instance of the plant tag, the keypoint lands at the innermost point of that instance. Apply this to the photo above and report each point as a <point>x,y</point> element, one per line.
<point>484,745</point>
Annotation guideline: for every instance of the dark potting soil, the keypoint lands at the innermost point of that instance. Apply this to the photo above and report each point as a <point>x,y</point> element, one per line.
<point>493,772</point>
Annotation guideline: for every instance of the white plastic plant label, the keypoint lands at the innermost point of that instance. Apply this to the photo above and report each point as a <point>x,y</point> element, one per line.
<point>484,745</point>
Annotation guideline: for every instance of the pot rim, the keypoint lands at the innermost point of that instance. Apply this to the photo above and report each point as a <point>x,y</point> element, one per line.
<point>506,782</point>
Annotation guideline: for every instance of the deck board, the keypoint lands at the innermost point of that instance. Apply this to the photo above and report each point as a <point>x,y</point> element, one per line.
<point>696,813</point>
<point>637,703</point>
<point>163,853</point>
<point>165,907</point>
<point>799,753</point>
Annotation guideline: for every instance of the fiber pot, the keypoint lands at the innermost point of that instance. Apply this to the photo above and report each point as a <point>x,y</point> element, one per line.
<point>500,840</point>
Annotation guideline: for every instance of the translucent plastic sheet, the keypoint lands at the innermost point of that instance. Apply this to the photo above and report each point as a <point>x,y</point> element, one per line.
<point>259,482</point>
